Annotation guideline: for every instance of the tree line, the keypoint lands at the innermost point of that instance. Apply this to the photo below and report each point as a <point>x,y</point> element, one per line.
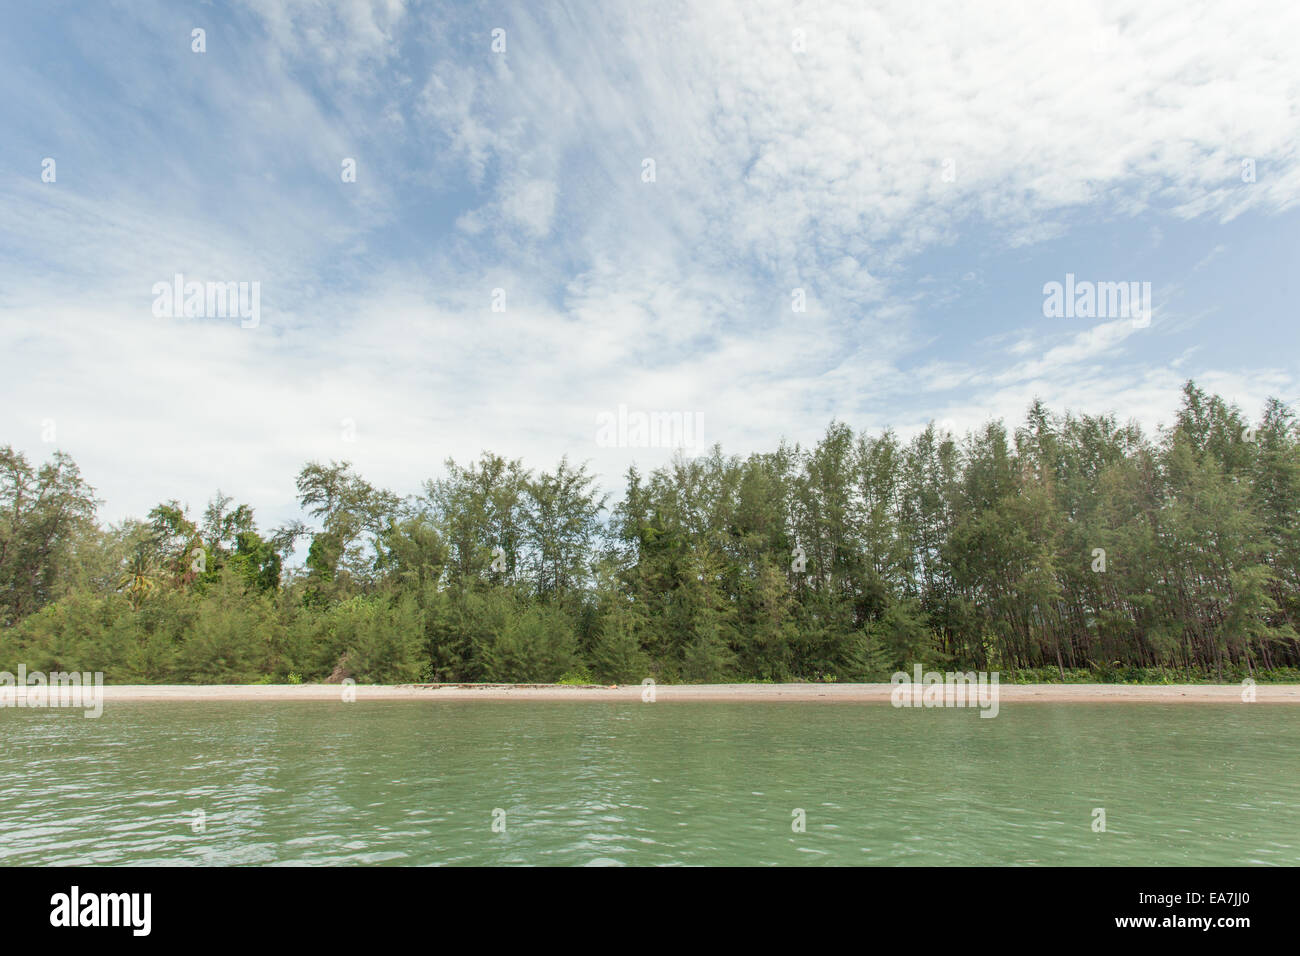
<point>1073,547</point>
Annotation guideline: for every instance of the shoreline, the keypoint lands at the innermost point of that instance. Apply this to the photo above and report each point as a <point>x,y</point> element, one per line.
<point>669,693</point>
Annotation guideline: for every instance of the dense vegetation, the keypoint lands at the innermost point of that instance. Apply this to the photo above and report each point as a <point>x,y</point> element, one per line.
<point>1074,544</point>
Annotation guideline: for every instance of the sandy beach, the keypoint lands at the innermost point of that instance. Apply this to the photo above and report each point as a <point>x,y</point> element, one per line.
<point>681,693</point>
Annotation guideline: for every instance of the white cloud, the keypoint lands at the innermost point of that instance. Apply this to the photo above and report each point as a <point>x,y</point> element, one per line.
<point>825,170</point>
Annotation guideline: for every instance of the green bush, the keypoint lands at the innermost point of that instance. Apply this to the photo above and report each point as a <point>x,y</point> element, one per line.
<point>536,646</point>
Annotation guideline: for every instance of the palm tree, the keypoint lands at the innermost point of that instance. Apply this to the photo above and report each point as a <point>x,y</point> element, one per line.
<point>139,579</point>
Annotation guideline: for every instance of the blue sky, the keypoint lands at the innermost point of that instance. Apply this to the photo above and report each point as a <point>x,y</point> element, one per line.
<point>920,174</point>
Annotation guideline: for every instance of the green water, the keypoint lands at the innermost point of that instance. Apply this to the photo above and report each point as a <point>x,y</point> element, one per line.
<point>665,783</point>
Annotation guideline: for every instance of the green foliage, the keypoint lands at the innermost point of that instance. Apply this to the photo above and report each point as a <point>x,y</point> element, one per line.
<point>617,655</point>
<point>1071,548</point>
<point>537,645</point>
<point>379,642</point>
<point>44,512</point>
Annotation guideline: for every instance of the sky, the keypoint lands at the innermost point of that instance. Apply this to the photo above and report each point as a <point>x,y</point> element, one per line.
<point>766,216</point>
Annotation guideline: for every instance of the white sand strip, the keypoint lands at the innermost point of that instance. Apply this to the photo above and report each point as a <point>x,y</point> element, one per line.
<point>668,693</point>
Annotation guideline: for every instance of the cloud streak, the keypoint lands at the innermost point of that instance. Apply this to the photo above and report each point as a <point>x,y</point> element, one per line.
<point>831,148</point>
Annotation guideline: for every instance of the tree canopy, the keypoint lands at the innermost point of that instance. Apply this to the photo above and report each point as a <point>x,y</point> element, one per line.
<point>1072,547</point>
